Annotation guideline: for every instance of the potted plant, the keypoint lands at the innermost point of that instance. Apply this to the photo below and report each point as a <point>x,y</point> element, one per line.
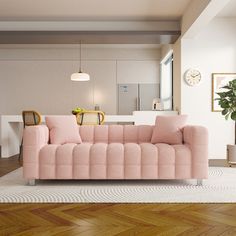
<point>227,101</point>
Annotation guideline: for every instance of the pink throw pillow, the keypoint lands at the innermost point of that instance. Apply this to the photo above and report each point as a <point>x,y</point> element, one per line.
<point>168,129</point>
<point>63,129</point>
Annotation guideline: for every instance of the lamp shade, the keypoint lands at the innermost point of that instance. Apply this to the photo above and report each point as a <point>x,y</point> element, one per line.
<point>80,76</point>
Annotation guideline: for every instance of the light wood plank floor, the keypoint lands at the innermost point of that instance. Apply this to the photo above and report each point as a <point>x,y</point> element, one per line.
<point>115,219</point>
<point>118,219</point>
<point>9,164</point>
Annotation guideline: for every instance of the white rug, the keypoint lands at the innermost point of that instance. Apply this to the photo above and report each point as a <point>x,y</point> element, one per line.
<point>220,187</point>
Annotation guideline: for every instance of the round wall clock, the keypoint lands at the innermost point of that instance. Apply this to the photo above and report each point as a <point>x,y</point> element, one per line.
<point>192,77</point>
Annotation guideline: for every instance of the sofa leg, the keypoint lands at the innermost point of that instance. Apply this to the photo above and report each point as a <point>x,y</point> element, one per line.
<point>199,182</point>
<point>31,182</point>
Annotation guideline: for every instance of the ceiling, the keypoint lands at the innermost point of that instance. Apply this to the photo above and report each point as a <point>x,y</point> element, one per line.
<point>92,9</point>
<point>229,10</point>
<point>65,21</point>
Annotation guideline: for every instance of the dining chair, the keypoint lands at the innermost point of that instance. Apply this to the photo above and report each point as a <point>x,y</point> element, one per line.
<point>90,117</point>
<point>29,118</point>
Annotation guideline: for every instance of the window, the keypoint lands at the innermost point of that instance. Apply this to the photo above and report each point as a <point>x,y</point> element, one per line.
<point>166,81</point>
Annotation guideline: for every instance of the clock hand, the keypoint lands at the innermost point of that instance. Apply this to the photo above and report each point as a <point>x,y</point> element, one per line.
<point>195,75</point>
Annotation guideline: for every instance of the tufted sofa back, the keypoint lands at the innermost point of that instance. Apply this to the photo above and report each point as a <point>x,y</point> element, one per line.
<point>116,133</point>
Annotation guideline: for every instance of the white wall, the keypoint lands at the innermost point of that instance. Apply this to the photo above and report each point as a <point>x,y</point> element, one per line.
<point>212,51</point>
<point>142,72</point>
<point>38,76</point>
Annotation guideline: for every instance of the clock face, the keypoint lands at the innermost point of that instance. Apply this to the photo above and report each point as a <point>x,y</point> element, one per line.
<point>192,77</point>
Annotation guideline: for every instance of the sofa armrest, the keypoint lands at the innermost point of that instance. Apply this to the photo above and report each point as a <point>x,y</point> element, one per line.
<point>195,135</point>
<point>37,135</point>
<point>34,138</point>
<point>196,138</point>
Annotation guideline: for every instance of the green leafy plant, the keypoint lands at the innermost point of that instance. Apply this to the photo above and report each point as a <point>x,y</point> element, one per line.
<point>227,101</point>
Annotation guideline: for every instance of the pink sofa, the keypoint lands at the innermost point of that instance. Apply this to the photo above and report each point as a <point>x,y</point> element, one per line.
<point>115,152</point>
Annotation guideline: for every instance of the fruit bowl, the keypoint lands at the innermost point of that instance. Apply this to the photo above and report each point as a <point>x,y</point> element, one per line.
<point>77,110</point>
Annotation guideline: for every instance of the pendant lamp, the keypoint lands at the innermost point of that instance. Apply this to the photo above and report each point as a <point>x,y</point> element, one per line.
<point>80,76</point>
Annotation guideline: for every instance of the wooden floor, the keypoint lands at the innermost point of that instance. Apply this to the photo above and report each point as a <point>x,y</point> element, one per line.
<point>115,219</point>
<point>9,164</point>
<point>118,219</point>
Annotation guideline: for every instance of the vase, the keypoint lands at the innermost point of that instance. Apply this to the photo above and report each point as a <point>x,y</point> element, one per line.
<point>231,154</point>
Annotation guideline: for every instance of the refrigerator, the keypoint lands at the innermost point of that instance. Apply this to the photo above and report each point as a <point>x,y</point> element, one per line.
<point>136,97</point>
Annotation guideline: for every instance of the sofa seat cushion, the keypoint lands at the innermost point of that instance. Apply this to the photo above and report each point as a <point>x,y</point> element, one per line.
<point>115,161</point>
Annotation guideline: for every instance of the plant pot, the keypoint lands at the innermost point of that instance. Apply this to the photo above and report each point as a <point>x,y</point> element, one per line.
<point>231,154</point>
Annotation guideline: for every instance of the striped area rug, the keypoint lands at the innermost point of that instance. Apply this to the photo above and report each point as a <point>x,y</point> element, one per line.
<point>219,188</point>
